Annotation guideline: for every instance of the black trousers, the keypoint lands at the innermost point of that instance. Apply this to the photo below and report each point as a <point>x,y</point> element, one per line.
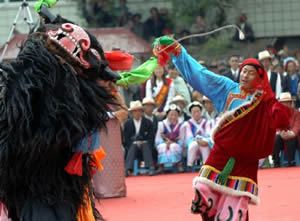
<point>292,145</point>
<point>135,151</point>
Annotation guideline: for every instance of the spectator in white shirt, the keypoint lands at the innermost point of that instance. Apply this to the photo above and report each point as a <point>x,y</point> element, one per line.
<point>161,89</point>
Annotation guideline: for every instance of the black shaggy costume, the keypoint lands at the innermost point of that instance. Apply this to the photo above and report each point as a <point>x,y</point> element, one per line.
<point>48,102</point>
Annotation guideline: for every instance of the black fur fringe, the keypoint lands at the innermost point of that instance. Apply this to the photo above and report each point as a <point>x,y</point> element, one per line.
<point>45,108</point>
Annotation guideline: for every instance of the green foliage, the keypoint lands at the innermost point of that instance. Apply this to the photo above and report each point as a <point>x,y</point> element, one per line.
<point>216,45</point>
<point>91,18</point>
<point>186,11</point>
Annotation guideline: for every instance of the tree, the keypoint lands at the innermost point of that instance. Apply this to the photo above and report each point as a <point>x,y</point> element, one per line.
<point>185,12</point>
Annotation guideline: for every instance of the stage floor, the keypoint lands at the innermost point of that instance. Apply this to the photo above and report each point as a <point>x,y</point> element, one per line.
<point>167,198</point>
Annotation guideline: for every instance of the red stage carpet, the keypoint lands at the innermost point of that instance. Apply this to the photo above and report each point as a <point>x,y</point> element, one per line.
<point>168,198</point>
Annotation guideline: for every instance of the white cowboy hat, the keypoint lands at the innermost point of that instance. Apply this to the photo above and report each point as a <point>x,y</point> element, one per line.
<point>263,54</point>
<point>285,96</point>
<point>149,100</point>
<point>179,98</point>
<point>135,105</point>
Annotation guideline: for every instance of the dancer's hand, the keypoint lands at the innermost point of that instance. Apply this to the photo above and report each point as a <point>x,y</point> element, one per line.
<point>48,3</point>
<point>163,46</point>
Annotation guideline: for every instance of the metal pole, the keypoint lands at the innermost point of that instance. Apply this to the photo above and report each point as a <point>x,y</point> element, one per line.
<point>28,20</point>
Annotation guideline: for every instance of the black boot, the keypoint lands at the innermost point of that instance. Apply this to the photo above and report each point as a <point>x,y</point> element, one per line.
<point>151,171</point>
<point>291,163</point>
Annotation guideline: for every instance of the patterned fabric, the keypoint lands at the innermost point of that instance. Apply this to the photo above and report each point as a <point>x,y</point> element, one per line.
<point>161,98</point>
<point>235,96</point>
<point>242,111</point>
<point>88,144</point>
<point>172,132</point>
<point>212,205</point>
<point>110,182</point>
<point>235,183</point>
<point>199,128</point>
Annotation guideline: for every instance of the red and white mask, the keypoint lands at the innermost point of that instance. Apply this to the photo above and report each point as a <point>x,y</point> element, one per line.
<point>75,41</point>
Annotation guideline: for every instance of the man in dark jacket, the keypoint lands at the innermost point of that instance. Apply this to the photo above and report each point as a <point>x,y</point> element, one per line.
<point>233,73</point>
<point>148,106</point>
<point>137,138</point>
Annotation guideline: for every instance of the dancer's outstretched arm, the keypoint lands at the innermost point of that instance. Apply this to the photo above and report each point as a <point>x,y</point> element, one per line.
<point>213,86</point>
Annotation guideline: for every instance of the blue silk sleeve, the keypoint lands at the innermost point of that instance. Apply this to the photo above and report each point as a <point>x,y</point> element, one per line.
<point>213,86</point>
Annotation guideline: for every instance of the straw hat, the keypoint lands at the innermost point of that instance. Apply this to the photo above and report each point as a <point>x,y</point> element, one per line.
<point>179,98</point>
<point>285,96</point>
<point>135,105</point>
<point>263,54</point>
<point>204,98</point>
<point>149,100</point>
<point>194,104</point>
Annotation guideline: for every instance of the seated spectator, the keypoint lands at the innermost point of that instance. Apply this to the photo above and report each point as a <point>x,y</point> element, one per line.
<point>103,12</point>
<point>210,114</point>
<point>196,141</point>
<point>246,28</point>
<point>148,106</point>
<point>180,86</point>
<point>222,67</point>
<point>284,52</point>
<point>274,61</point>
<point>129,24</point>
<point>137,26</point>
<point>198,27</point>
<point>183,33</point>
<point>213,66</point>
<point>154,25</point>
<point>161,89</point>
<point>122,13</point>
<point>272,51</point>
<point>291,78</point>
<point>209,111</point>
<point>138,138</point>
<point>287,139</point>
<point>279,69</point>
<point>180,102</point>
<point>168,140</point>
<point>169,21</point>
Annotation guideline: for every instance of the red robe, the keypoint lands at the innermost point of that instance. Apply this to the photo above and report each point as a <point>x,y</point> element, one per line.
<point>249,138</point>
